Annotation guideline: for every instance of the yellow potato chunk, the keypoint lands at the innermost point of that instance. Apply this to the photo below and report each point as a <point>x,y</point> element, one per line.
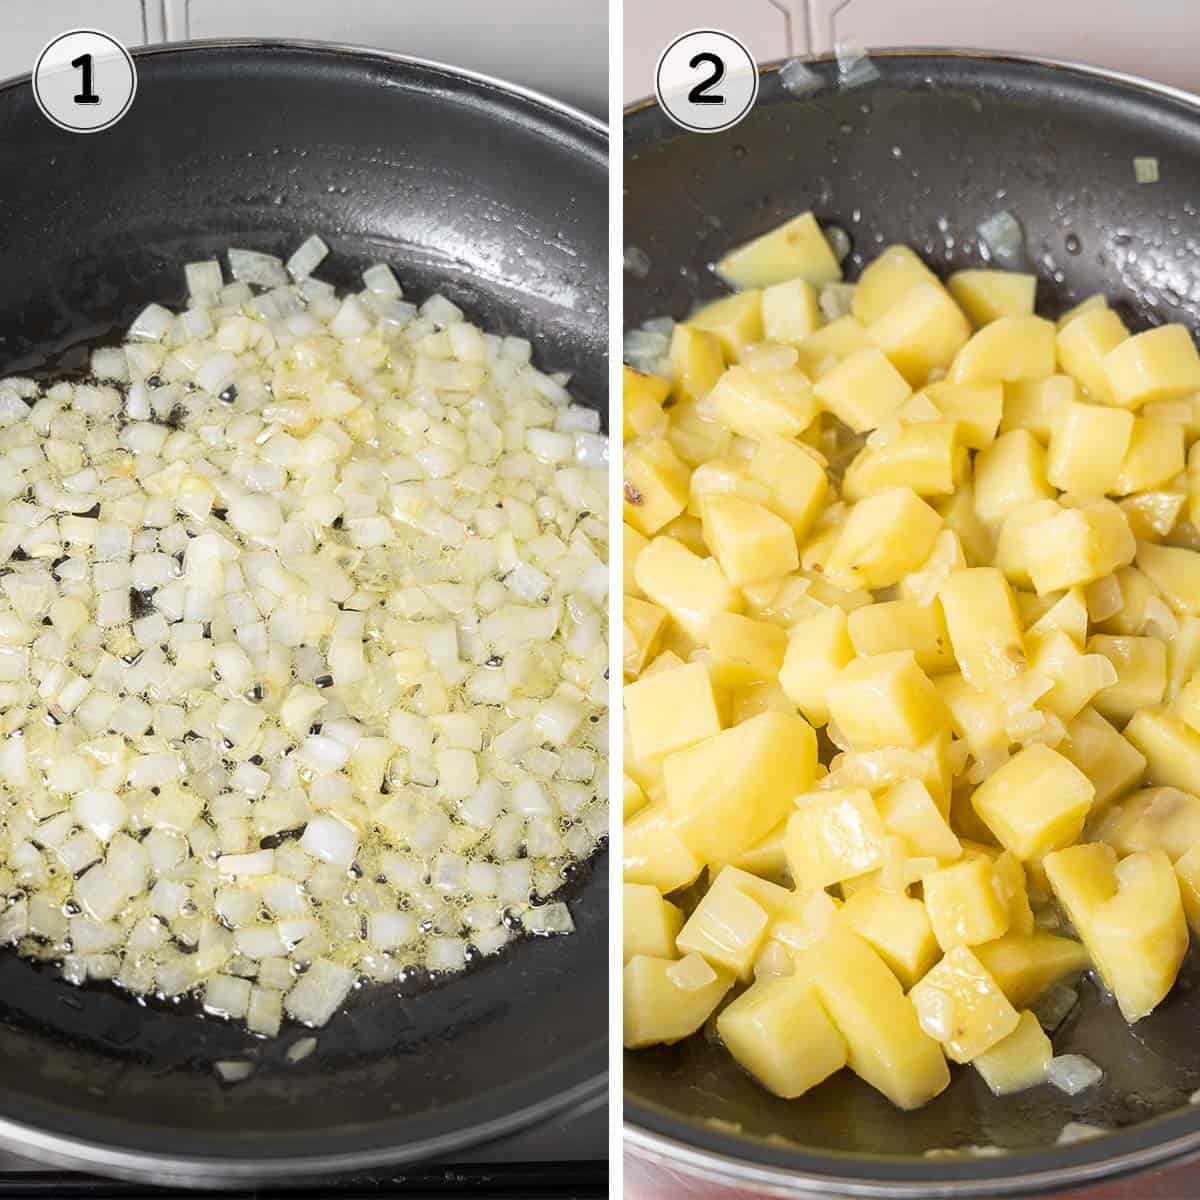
<point>1018,1061</point>
<point>964,903</point>
<point>671,709</point>
<point>897,928</point>
<point>1159,818</point>
<point>650,923</point>
<point>986,296</point>
<point>790,311</point>
<point>794,478</point>
<point>795,249</point>
<point>1141,667</point>
<point>654,854</point>
<point>820,352</point>
<point>922,332</point>
<point>1186,705</point>
<point>1130,917</point>
<point>1037,802</point>
<point>643,628</point>
<point>1171,748</point>
<point>903,625</point>
<point>731,922</point>
<point>1024,965</point>
<point>766,858</point>
<point>1175,571</point>
<point>818,648</point>
<point>1187,872</point>
<point>885,537</point>
<point>1084,343</point>
<point>633,799</point>
<point>696,362</point>
<point>1160,364</point>
<point>634,543</point>
<point>985,631</point>
<point>642,397</point>
<point>909,811</point>
<point>694,434</point>
<point>744,651</point>
<point>833,835</point>
<point>926,457</point>
<point>1087,447</point>
<point>962,1006</point>
<point>1009,474</point>
<point>886,700</point>
<point>735,321</point>
<point>690,588</point>
<point>1007,349</point>
<point>1036,405</point>
<point>1183,656</point>
<point>778,1030</point>
<point>729,791</point>
<point>886,280</point>
<point>1154,457</point>
<point>1076,546</point>
<point>749,541</point>
<point>758,404</point>
<point>1093,302</point>
<point>1113,764</point>
<point>863,390</point>
<point>1077,678</point>
<point>976,408</point>
<point>656,485</point>
<point>666,1000</point>
<point>885,1043</point>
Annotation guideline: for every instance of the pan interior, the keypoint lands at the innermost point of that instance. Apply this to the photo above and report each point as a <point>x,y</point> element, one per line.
<point>939,144</point>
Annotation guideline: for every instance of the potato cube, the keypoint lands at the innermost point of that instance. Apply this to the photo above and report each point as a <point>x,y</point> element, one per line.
<point>790,311</point>
<point>1013,887</point>
<point>909,811</point>
<point>688,531</point>
<point>759,404</point>
<point>886,700</point>
<point>977,717</point>
<point>654,853</point>
<point>634,543</point>
<point>977,409</point>
<point>962,1006</point>
<point>642,398</point>
<point>887,280</point>
<point>820,352</point>
<point>1187,871</point>
<point>1087,447</point>
<point>656,485</point>
<point>885,1044</point>
<point>863,390</point>
<point>1076,678</point>
<point>1154,456</point>
<point>973,538</point>
<point>1068,614</point>
<point>1096,301</point>
<point>1153,515</point>
<point>833,835</point>
<point>904,625</point>
<point>1141,667</point>
<point>922,332</point>
<point>1007,349</point>
<point>643,624</point>
<point>1183,656</point>
<point>1171,748</point>
<point>1113,764</point>
<point>1130,917</point>
<point>690,588</point>
<point>1035,405</point>
<point>634,799</point>
<point>985,632</point>
<point>1018,1061</point>
<point>795,479</point>
<point>884,538</point>
<point>1016,548</point>
<point>1037,802</point>
<point>986,296</point>
<point>749,541</point>
<point>1175,571</point>
<point>1009,474</point>
<point>731,922</point>
<point>1024,965</point>
<point>735,321</point>
<point>671,709</point>
<point>818,648</point>
<point>766,858</point>
<point>897,928</point>
<point>964,904</point>
<point>744,651</point>
<point>650,923</point>
<point>1076,546</point>
<point>1159,364</point>
<point>696,362</point>
<point>729,791</point>
<point>1186,705</point>
<point>667,1000</point>
<point>695,435</point>
<point>778,1030</point>
<point>926,457</point>
<point>1083,345</point>
<point>1159,818</point>
<point>797,249</point>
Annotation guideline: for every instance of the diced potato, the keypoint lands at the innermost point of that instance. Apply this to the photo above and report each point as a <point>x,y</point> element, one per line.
<point>634,543</point>
<point>922,332</point>
<point>985,632</point>
<point>886,700</point>
<point>796,249</point>
<point>833,835</point>
<point>656,485</point>
<point>1018,1061</point>
<point>651,923</point>
<point>644,624</point>
<point>1068,614</point>
<point>977,409</point>
<point>1084,343</point>
<point>986,296</point>
<point>1141,667</point>
<point>744,651</point>
<point>977,717</point>
<point>961,520</point>
<point>909,811</point>
<point>696,362</point>
<point>735,321</point>
<point>779,1031</point>
<point>1009,474</point>
<point>688,531</point>
<point>818,648</point>
<point>926,457</point>
<point>729,791</point>
<point>767,857</point>
<point>671,709</point>
<point>1130,917</point>
<point>887,280</point>
<point>1078,545</point>
<point>790,311</point>
<point>1007,349</point>
<point>654,853</point>
<point>1160,364</point>
<point>667,1000</point>
<point>731,922</point>
<point>1037,802</point>
<point>690,588</point>
<point>1113,764</point>
<point>1187,872</point>
<point>1154,456</point>
<point>750,542</point>
<point>1016,548</point>
<point>1093,302</point>
<point>642,397</point>
<point>863,390</point>
<point>962,1006</point>
<point>820,352</point>
<point>1087,447</point>
<point>694,434</point>
<point>1077,678</point>
<point>1036,405</point>
<point>1024,965</point>
<point>904,625</point>
<point>886,1045</point>
<point>1153,515</point>
<point>1183,655</point>
<point>1012,885</point>
<point>964,904</point>
<point>794,478</point>
<point>884,538</point>
<point>897,928</point>
<point>634,799</point>
<point>1175,571</point>
<point>1171,748</point>
<point>759,404</point>
<point>1159,818</point>
<point>1186,705</point>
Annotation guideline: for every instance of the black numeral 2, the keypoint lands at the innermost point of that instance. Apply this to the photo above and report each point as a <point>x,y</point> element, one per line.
<point>702,92</point>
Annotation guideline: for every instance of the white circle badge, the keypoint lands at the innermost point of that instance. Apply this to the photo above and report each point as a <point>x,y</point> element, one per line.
<point>706,81</point>
<point>84,81</point>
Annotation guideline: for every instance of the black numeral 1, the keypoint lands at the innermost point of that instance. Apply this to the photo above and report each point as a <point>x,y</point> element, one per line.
<point>86,96</point>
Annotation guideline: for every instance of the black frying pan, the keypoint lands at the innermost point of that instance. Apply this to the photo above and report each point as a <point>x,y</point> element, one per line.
<point>943,141</point>
<point>497,198</point>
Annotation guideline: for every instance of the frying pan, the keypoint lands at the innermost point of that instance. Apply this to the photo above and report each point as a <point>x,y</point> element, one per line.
<point>497,198</point>
<point>942,141</point>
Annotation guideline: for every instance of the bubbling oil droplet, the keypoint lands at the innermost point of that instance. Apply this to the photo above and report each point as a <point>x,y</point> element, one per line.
<point>739,151</point>
<point>1073,244</point>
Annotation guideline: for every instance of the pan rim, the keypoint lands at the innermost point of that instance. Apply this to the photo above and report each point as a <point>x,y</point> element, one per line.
<point>575,1083</point>
<point>660,1136</point>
